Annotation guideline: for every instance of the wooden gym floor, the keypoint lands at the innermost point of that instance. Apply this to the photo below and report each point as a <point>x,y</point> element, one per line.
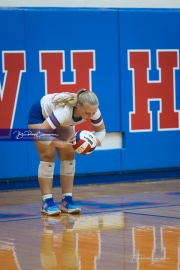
<point>122,226</point>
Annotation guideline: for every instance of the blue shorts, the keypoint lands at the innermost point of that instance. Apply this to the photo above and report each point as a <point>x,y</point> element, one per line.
<point>35,114</point>
<point>36,117</point>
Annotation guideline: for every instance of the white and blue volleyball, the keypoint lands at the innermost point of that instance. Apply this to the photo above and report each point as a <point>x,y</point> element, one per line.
<point>85,142</point>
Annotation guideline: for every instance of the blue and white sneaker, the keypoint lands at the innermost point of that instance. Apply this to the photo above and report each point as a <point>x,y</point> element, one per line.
<point>49,207</point>
<point>68,206</point>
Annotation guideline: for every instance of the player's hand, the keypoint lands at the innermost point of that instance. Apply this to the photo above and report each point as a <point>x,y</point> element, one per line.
<point>72,138</point>
<point>63,144</point>
<point>69,141</point>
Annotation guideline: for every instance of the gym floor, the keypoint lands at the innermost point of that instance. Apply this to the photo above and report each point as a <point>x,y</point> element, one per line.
<point>122,226</point>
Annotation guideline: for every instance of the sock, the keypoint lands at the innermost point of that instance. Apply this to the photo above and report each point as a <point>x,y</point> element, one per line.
<point>47,196</point>
<point>66,194</point>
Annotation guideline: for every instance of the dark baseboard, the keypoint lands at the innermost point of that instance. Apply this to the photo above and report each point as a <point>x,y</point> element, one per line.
<point>91,179</point>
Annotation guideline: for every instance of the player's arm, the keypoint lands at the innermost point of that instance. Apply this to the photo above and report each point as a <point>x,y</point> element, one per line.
<point>98,126</point>
<point>100,133</point>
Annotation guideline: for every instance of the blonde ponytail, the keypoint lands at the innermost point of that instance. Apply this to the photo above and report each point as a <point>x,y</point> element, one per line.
<point>82,96</point>
<point>64,99</point>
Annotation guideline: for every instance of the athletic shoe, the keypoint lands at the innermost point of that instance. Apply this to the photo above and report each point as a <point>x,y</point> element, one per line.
<point>68,205</point>
<point>49,207</point>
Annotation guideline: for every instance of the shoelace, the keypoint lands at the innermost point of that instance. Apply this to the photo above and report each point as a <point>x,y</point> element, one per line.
<point>50,202</point>
<point>69,199</point>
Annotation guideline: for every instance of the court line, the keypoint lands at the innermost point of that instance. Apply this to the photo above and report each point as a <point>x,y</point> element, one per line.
<point>20,219</point>
<point>150,215</point>
<point>96,213</point>
<point>84,213</point>
<point>152,207</point>
<point>124,207</point>
<point>111,210</point>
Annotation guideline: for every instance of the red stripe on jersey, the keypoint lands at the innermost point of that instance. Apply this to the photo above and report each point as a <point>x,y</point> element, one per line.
<point>54,120</point>
<point>97,120</point>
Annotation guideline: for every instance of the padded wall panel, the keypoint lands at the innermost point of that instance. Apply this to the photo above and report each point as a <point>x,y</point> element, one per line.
<point>13,155</point>
<point>150,83</point>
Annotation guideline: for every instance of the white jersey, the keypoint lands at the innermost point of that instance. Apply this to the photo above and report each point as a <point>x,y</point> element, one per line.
<point>59,116</point>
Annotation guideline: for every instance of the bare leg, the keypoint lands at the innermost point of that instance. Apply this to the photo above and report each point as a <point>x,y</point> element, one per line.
<point>45,185</point>
<point>45,176</point>
<point>65,180</point>
<point>67,183</point>
<point>47,154</point>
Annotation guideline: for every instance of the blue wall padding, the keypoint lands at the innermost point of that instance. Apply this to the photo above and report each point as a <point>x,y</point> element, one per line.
<point>148,30</point>
<point>110,33</point>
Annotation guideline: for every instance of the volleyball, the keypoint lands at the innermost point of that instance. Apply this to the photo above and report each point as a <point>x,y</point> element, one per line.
<point>85,142</point>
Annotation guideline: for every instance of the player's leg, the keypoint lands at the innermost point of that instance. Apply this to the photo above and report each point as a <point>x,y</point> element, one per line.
<point>67,170</point>
<point>45,176</point>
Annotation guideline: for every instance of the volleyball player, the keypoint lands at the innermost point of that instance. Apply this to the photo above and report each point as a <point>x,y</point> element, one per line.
<point>59,113</point>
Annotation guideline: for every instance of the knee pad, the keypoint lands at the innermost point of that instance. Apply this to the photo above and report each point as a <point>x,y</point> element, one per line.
<point>46,169</point>
<point>67,167</point>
